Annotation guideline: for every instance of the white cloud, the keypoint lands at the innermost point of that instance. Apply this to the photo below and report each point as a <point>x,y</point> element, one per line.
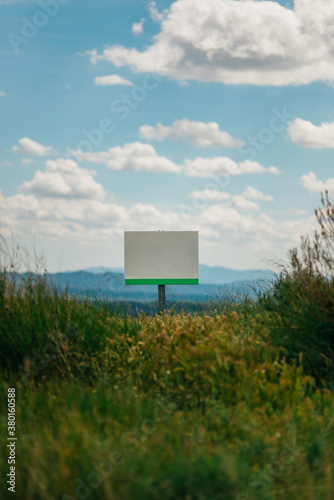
<point>254,194</point>
<point>130,157</point>
<point>90,219</point>
<point>243,205</point>
<point>220,165</point>
<point>2,93</point>
<point>311,182</point>
<point>138,28</point>
<point>111,80</point>
<point>240,202</point>
<point>210,195</point>
<point>29,147</point>
<point>137,156</point>
<point>63,178</point>
<point>200,134</point>
<point>305,134</point>
<point>237,42</point>
<point>230,232</point>
<point>156,16</point>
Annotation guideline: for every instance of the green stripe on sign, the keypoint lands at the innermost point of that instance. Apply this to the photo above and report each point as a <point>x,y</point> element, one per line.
<point>187,281</point>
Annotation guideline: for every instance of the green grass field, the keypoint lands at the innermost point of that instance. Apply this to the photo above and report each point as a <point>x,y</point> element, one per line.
<point>112,406</point>
<point>235,403</point>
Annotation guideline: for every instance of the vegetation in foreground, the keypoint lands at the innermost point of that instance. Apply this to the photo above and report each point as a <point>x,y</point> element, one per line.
<point>234,403</point>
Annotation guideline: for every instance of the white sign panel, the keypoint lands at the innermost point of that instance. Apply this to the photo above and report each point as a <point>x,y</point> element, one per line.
<point>161,257</point>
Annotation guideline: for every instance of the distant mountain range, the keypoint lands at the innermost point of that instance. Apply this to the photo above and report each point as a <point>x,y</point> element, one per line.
<point>214,281</point>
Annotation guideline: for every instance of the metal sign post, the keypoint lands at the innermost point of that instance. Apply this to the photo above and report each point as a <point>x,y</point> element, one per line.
<point>161,298</point>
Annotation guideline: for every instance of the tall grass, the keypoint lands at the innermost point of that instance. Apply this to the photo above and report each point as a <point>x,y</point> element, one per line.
<point>47,333</point>
<point>112,406</point>
<point>301,301</point>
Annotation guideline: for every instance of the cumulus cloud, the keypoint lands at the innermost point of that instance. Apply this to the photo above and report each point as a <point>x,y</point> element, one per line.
<point>221,165</point>
<point>138,28</point>
<point>29,147</point>
<point>155,14</point>
<point>200,134</point>
<point>130,157</point>
<point>64,178</point>
<point>305,134</point>
<point>311,182</point>
<point>243,205</point>
<point>254,194</point>
<point>137,156</point>
<point>241,202</point>
<point>111,80</point>
<point>210,195</point>
<point>237,42</point>
<point>2,93</point>
<point>231,228</point>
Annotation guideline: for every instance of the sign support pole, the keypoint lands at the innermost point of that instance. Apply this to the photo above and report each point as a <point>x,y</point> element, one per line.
<point>161,298</point>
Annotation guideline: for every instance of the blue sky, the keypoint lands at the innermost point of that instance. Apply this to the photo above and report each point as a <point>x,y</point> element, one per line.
<point>215,116</point>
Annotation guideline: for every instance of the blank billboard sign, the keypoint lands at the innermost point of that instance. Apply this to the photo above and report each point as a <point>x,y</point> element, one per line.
<point>161,257</point>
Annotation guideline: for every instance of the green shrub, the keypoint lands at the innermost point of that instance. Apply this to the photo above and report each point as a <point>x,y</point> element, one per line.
<point>301,301</point>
